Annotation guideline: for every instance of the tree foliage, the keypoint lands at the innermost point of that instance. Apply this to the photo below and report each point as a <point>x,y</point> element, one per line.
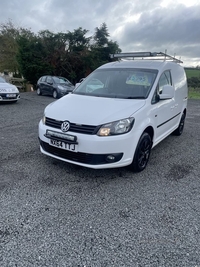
<point>101,36</point>
<point>8,47</point>
<point>194,82</point>
<point>31,58</point>
<point>72,54</point>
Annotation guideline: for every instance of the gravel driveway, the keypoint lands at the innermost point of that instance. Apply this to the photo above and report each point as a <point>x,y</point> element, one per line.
<point>54,214</point>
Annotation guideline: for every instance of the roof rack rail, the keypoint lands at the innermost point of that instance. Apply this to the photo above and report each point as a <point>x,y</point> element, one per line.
<point>148,55</point>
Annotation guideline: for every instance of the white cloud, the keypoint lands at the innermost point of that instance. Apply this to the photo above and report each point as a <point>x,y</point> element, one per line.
<point>187,3</point>
<point>136,25</point>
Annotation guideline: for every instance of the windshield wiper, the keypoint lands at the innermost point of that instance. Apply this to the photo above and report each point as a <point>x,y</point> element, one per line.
<point>135,97</point>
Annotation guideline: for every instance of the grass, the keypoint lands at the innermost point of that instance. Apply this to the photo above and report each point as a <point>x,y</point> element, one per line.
<point>192,73</point>
<point>193,93</point>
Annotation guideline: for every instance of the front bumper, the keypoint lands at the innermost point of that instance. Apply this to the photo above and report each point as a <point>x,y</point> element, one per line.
<point>62,93</point>
<point>80,157</point>
<point>6,97</point>
<point>93,151</point>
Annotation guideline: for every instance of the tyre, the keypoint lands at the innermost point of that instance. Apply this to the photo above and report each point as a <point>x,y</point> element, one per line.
<point>55,94</point>
<point>142,153</point>
<point>179,130</point>
<point>39,91</point>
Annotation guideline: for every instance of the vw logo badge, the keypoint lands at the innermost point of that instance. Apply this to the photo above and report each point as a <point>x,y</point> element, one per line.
<point>65,126</point>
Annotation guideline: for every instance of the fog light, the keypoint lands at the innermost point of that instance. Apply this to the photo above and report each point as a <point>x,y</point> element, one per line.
<point>110,158</point>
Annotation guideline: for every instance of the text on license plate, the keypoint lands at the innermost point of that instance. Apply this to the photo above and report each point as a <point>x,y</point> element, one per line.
<point>63,145</point>
<point>10,95</point>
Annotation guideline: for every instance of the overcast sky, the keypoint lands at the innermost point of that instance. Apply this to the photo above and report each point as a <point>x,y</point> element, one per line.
<point>137,25</point>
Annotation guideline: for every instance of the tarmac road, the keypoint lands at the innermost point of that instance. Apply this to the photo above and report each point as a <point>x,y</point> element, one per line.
<point>54,214</point>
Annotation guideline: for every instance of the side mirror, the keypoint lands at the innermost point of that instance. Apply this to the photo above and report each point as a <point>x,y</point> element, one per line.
<point>167,92</point>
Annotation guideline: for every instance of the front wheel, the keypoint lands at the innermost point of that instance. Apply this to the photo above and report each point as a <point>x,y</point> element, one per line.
<point>142,153</point>
<point>55,94</point>
<point>179,130</point>
<point>39,91</point>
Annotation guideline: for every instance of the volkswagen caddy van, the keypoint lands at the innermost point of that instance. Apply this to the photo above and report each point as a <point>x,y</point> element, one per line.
<point>118,113</point>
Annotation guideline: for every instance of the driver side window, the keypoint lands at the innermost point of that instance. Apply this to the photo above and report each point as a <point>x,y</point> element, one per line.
<point>165,79</point>
<point>49,80</point>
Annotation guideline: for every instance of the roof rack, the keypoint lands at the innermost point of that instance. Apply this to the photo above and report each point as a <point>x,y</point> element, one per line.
<point>147,55</point>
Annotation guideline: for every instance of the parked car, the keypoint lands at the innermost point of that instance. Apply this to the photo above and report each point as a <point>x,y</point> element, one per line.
<point>117,114</point>
<point>8,92</point>
<point>54,86</point>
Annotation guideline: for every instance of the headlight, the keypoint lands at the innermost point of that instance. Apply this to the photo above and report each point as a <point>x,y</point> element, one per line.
<point>44,119</point>
<point>60,87</point>
<point>116,127</point>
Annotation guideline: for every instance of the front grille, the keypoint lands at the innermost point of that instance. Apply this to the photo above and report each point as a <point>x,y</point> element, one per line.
<point>76,128</point>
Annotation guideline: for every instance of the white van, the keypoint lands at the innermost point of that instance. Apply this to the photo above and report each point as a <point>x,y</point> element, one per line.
<point>118,113</point>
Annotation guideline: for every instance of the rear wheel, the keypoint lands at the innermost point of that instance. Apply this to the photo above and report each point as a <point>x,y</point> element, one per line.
<point>179,130</point>
<point>142,153</point>
<point>55,94</point>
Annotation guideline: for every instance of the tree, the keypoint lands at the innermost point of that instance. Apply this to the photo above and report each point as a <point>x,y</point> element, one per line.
<point>74,62</point>
<point>77,41</point>
<point>8,47</point>
<point>54,47</point>
<point>72,54</point>
<point>101,35</point>
<point>102,47</point>
<point>31,58</point>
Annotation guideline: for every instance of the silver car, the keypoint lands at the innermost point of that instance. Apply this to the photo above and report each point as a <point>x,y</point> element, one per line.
<point>8,92</point>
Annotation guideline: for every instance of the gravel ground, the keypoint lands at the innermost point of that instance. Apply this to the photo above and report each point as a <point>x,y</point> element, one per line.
<point>54,214</point>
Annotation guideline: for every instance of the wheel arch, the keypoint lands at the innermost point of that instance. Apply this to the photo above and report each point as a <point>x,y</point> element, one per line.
<point>150,131</point>
<point>143,150</point>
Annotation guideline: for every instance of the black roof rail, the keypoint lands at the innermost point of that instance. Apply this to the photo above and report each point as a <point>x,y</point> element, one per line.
<point>147,55</point>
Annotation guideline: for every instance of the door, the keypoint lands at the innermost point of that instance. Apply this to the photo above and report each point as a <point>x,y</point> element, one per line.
<point>164,110</point>
<point>49,86</point>
<point>42,84</point>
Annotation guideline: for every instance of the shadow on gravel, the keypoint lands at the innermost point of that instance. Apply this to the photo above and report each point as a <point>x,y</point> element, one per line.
<point>64,174</point>
<point>178,172</point>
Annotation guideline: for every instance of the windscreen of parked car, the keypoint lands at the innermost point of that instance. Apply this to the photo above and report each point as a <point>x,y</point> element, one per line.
<point>62,80</point>
<point>118,83</point>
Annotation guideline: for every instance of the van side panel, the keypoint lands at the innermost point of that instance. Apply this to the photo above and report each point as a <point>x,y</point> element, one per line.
<point>181,89</point>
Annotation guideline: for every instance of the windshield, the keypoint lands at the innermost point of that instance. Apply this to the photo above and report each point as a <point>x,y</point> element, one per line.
<point>62,80</point>
<point>118,83</point>
<point>2,80</point>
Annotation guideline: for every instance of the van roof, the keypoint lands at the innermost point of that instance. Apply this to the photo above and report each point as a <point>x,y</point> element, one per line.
<point>144,64</point>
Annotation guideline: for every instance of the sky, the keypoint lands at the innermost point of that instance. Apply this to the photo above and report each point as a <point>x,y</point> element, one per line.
<point>137,25</point>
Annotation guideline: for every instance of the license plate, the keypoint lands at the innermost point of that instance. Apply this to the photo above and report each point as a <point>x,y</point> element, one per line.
<point>63,145</point>
<point>10,95</point>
